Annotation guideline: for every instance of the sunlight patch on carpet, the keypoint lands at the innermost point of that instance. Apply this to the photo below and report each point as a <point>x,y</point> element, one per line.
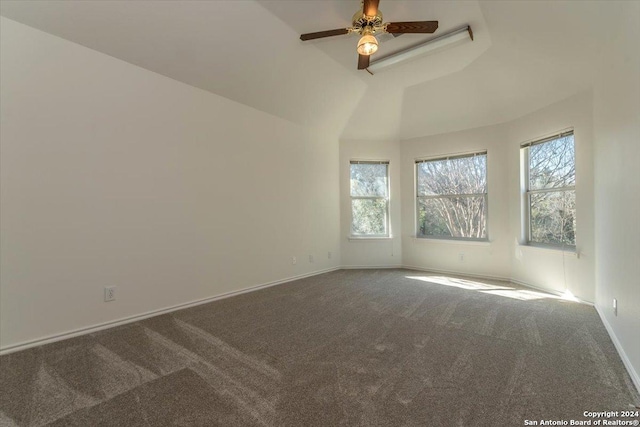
<point>501,290</point>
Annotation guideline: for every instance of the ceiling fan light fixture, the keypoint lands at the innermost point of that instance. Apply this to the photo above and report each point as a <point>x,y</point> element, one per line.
<point>368,44</point>
<point>368,21</point>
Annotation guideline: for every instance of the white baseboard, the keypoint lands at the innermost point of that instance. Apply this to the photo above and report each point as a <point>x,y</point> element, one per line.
<point>130,319</point>
<point>370,267</point>
<point>625,360</point>
<point>456,273</point>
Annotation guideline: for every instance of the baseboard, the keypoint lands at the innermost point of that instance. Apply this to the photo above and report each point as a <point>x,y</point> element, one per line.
<point>130,319</point>
<point>625,360</point>
<point>456,273</point>
<point>370,267</point>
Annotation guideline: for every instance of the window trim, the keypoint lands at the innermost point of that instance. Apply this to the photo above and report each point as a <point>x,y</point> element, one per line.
<point>526,192</point>
<point>387,199</point>
<point>452,239</point>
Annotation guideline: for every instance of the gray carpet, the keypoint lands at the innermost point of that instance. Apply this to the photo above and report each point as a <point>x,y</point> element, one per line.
<point>348,348</point>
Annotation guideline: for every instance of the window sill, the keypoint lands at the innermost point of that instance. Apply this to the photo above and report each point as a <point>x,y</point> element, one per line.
<point>571,251</point>
<point>369,239</point>
<point>452,241</point>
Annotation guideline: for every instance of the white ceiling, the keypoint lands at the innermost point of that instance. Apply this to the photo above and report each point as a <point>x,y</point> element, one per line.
<point>310,16</point>
<point>526,54</point>
<point>541,52</point>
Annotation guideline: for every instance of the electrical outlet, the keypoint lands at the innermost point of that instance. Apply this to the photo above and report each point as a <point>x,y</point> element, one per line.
<point>461,257</point>
<point>109,293</point>
<point>329,255</point>
<point>294,260</point>
<point>615,307</point>
<point>310,258</point>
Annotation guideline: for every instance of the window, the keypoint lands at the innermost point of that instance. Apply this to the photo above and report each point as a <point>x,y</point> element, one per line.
<point>451,197</point>
<point>550,190</point>
<point>369,199</point>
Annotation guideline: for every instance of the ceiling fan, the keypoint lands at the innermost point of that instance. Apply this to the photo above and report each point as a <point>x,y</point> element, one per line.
<point>367,22</point>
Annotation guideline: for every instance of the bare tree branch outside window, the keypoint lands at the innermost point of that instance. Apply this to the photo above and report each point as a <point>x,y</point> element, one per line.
<point>551,195</point>
<point>452,197</point>
<point>369,199</point>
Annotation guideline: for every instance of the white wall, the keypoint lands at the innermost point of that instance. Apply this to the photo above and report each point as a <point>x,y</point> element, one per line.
<point>480,258</point>
<point>370,252</point>
<point>617,184</point>
<point>503,256</point>
<point>114,175</point>
<point>554,269</point>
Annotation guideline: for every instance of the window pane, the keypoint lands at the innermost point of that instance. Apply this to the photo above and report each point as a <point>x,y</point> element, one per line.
<point>369,216</point>
<point>369,180</point>
<point>464,175</point>
<point>553,217</point>
<point>552,164</point>
<point>458,217</point>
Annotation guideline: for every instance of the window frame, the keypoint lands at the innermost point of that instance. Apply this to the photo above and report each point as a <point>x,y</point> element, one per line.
<point>387,199</point>
<point>441,196</point>
<point>527,192</point>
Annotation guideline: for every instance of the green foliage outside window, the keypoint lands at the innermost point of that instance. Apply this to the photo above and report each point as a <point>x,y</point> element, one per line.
<point>369,199</point>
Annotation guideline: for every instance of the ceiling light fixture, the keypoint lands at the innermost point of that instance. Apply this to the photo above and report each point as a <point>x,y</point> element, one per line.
<point>368,44</point>
<point>445,40</point>
<point>367,22</point>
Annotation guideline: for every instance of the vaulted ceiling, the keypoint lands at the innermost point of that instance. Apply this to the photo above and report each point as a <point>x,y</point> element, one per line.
<point>526,55</point>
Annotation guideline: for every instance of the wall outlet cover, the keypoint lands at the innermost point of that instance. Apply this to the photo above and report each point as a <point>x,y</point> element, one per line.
<point>109,293</point>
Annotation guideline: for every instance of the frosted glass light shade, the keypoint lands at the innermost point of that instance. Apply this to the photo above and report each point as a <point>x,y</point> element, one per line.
<point>367,45</point>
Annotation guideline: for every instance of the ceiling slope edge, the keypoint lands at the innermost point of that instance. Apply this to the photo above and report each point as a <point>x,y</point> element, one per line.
<point>202,47</point>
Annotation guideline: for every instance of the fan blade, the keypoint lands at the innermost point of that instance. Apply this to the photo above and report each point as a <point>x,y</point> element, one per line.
<point>321,34</point>
<point>363,61</point>
<point>412,27</point>
<point>370,7</point>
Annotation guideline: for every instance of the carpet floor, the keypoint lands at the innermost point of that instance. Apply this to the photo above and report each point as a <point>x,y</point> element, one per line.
<point>347,348</point>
